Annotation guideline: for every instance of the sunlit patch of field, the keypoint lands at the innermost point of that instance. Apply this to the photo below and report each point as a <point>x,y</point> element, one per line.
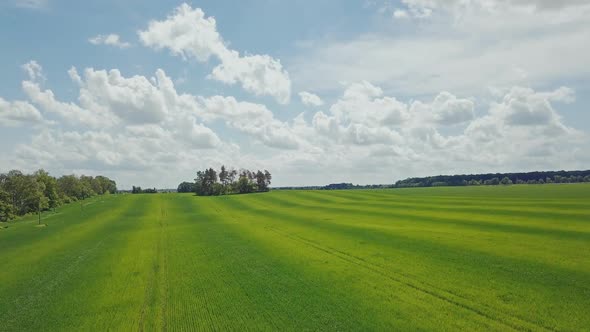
<point>469,258</point>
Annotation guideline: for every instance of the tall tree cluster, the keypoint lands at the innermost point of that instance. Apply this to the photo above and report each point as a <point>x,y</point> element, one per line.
<point>209,182</point>
<point>22,193</point>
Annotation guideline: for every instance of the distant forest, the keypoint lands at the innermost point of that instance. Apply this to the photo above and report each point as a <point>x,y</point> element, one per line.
<point>32,193</point>
<point>209,182</point>
<point>464,180</point>
<point>497,179</point>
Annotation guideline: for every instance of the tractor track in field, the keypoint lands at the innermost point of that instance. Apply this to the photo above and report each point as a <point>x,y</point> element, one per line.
<point>165,291</point>
<point>482,310</point>
<point>157,285</point>
<point>520,324</point>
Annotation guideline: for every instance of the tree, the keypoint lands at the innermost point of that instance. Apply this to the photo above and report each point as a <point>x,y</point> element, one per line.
<point>51,188</point>
<point>86,187</point>
<point>261,181</point>
<point>6,210</point>
<point>186,187</point>
<point>223,177</point>
<point>69,187</point>
<point>207,182</point>
<point>244,185</point>
<point>32,193</point>
<point>211,180</point>
<point>506,181</point>
<point>200,183</point>
<point>268,178</point>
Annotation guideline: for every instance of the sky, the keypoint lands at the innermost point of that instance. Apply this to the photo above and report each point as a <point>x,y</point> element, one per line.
<point>317,92</point>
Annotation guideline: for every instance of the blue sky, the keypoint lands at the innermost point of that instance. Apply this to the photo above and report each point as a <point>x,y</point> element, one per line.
<point>316,92</point>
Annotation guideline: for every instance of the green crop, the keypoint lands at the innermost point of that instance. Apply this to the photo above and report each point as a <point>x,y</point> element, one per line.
<point>466,258</point>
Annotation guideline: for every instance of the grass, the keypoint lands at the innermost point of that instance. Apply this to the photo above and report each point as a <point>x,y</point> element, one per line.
<point>471,258</point>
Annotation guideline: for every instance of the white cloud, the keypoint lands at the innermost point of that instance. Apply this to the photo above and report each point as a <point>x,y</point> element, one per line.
<point>189,34</point>
<point>133,125</point>
<point>71,112</point>
<point>310,99</point>
<point>525,107</point>
<point>110,39</point>
<point>34,70</point>
<point>253,119</point>
<point>449,110</point>
<point>363,103</point>
<point>18,113</point>
<point>134,99</point>
<point>465,50</point>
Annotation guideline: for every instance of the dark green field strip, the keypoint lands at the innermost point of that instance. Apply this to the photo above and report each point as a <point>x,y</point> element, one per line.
<point>386,215</point>
<point>320,291</point>
<point>236,285</point>
<point>203,293</point>
<point>524,282</point>
<point>393,196</point>
<point>437,306</point>
<point>513,208</point>
<point>566,192</point>
<point>515,211</point>
<point>571,254</point>
<point>498,197</point>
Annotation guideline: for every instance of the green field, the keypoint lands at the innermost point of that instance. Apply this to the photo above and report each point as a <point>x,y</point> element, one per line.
<point>469,258</point>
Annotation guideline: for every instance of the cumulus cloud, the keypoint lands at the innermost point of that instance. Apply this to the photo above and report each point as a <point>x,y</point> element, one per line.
<point>71,112</point>
<point>310,99</point>
<point>134,99</point>
<point>521,117</point>
<point>189,34</point>
<point>18,113</point>
<point>253,119</point>
<point>449,110</point>
<point>525,107</point>
<point>134,124</point>
<point>110,39</point>
<point>34,71</point>
<point>363,103</point>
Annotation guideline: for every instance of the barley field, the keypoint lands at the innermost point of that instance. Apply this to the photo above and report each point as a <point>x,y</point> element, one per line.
<point>472,258</point>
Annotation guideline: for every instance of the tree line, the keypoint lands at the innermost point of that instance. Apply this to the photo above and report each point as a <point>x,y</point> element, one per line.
<point>138,190</point>
<point>497,179</point>
<point>209,182</point>
<point>22,193</point>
